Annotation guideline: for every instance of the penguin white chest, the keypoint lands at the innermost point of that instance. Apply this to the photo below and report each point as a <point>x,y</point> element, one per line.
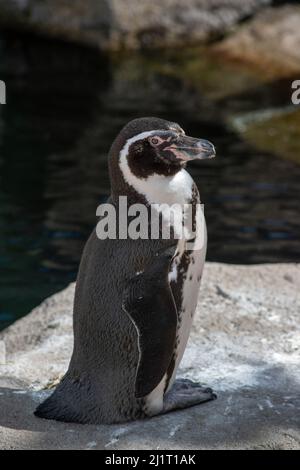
<point>185,277</point>
<point>170,195</point>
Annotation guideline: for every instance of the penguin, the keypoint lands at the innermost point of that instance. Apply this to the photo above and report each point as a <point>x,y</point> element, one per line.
<point>135,298</point>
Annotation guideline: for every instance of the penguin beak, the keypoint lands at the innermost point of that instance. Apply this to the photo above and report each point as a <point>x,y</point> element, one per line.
<point>188,148</point>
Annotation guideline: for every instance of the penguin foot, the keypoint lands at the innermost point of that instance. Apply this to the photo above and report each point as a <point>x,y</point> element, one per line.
<point>185,393</point>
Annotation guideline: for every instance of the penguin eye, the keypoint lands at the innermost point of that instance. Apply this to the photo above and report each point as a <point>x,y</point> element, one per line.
<point>154,141</point>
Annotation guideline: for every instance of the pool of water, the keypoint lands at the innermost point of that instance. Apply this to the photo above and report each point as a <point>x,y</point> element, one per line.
<point>64,106</point>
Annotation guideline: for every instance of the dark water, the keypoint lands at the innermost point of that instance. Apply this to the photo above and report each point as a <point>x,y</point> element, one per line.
<point>65,105</point>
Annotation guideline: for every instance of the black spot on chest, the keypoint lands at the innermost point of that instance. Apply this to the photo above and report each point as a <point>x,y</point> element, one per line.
<point>177,286</point>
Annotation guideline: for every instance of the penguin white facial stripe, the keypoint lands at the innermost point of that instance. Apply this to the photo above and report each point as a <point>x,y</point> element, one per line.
<point>157,189</point>
<point>179,129</point>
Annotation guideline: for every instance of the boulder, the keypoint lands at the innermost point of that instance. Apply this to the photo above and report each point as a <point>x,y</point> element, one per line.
<point>111,24</point>
<point>273,131</point>
<point>244,343</point>
<point>269,41</point>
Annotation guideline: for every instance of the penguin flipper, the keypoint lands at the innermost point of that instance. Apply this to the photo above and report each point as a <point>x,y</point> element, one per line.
<point>149,302</point>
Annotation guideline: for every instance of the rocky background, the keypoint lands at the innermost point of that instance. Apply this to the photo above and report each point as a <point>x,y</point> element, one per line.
<point>270,39</point>
<point>111,24</point>
<point>244,344</point>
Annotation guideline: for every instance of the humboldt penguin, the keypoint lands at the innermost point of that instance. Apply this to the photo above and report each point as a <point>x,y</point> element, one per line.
<point>136,296</point>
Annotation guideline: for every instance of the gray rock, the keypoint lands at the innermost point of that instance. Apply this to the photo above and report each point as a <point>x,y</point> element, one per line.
<point>269,41</point>
<point>245,343</point>
<point>111,24</point>
<point>2,353</point>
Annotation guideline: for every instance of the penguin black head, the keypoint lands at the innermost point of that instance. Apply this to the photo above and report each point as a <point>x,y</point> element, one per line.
<point>152,146</point>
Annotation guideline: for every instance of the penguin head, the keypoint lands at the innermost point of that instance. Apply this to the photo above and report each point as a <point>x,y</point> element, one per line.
<point>152,146</point>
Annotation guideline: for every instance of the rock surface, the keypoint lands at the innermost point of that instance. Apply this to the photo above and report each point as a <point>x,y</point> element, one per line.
<point>111,24</point>
<point>274,131</point>
<point>245,343</point>
<point>269,41</point>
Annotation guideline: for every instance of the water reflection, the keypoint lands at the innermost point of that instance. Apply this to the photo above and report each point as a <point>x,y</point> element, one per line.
<point>66,104</point>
